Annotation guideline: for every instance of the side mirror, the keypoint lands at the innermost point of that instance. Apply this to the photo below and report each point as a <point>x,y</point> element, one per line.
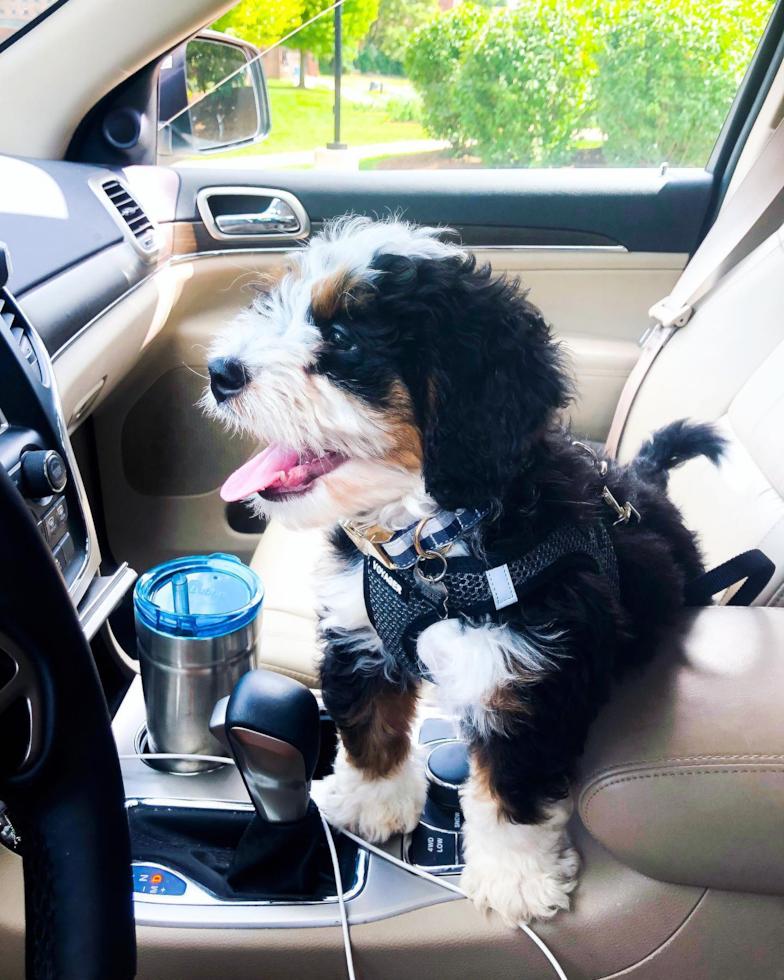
<point>236,113</point>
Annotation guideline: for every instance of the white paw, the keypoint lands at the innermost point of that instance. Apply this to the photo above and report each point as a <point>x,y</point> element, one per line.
<point>520,889</point>
<point>375,809</point>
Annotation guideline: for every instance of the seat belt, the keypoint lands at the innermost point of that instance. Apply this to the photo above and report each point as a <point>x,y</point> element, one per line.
<point>752,215</point>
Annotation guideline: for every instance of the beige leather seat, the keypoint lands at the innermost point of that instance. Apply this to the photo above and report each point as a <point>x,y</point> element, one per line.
<point>726,365</point>
<point>285,560</point>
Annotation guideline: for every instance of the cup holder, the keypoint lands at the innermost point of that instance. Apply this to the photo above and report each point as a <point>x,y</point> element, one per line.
<point>142,748</point>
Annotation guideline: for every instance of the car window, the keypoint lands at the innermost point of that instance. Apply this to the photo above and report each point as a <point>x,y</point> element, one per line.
<point>19,16</point>
<point>444,84</point>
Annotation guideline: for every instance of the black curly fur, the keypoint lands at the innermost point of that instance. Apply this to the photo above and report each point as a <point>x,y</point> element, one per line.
<point>677,443</point>
<point>487,381</point>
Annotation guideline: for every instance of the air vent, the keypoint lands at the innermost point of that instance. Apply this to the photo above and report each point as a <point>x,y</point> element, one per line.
<point>11,318</point>
<point>132,214</point>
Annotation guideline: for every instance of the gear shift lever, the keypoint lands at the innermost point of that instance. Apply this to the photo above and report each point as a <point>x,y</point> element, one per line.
<point>272,729</point>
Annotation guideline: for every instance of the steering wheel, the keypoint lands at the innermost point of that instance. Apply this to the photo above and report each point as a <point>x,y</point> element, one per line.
<point>59,772</point>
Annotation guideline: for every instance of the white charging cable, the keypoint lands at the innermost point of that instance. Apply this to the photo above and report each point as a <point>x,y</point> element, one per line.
<point>452,887</point>
<point>373,849</point>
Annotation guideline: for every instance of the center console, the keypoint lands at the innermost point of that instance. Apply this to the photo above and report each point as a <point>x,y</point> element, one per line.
<point>170,893</point>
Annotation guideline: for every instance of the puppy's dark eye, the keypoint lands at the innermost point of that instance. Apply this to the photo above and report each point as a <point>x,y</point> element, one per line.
<point>340,339</point>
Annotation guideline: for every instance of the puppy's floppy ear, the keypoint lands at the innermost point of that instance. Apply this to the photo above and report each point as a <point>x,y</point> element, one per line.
<point>496,380</point>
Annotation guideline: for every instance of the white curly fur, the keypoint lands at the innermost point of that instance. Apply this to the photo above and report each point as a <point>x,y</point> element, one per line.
<point>521,871</point>
<point>371,807</point>
<point>288,404</point>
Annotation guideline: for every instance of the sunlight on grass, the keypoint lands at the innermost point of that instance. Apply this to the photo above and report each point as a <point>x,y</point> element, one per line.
<point>302,120</point>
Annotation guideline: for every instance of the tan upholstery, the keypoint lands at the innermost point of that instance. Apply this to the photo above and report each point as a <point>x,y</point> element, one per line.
<point>727,366</point>
<point>684,771</point>
<point>285,560</point>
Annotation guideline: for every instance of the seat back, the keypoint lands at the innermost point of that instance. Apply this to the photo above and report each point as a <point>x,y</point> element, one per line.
<point>727,366</point>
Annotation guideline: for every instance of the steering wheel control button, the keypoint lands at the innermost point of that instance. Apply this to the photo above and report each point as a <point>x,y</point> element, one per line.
<point>43,473</point>
<point>150,880</point>
<point>436,729</point>
<point>447,769</point>
<point>433,848</point>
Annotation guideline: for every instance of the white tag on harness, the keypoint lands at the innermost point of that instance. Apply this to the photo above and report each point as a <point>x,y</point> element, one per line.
<point>500,582</point>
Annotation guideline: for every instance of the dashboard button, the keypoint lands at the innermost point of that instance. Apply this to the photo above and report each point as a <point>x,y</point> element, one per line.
<point>67,547</point>
<point>432,848</point>
<point>61,509</point>
<point>59,557</point>
<point>150,880</point>
<point>43,473</point>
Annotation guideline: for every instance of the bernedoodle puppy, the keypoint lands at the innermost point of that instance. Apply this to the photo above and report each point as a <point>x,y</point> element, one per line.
<point>410,401</point>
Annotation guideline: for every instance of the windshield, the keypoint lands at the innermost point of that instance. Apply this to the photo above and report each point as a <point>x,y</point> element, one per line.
<point>17,17</point>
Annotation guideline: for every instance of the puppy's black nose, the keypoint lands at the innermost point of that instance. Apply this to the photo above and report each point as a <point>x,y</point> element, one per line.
<point>228,376</point>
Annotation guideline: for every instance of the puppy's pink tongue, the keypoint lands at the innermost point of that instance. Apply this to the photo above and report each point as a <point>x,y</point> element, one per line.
<point>258,473</point>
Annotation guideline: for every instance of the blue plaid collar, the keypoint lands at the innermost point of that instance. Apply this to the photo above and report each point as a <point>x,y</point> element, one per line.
<point>395,549</point>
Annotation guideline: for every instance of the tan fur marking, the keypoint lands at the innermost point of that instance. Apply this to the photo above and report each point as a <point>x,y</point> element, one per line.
<point>377,739</point>
<point>406,451</point>
<point>328,296</point>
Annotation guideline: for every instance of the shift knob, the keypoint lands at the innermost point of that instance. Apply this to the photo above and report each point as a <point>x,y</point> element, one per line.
<point>273,731</point>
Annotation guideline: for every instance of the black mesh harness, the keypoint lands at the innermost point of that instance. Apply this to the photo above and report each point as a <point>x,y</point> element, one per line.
<point>403,602</point>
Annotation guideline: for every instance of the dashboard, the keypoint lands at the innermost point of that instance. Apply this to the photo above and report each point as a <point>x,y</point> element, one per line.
<point>74,240</point>
<point>34,446</point>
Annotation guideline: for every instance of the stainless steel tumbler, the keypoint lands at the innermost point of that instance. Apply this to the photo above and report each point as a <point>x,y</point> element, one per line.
<point>196,627</point>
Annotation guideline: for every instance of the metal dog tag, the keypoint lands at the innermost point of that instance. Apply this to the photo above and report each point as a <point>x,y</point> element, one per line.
<point>434,593</point>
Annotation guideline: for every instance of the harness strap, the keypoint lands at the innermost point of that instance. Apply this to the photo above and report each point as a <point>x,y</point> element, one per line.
<point>402,603</point>
<point>754,566</point>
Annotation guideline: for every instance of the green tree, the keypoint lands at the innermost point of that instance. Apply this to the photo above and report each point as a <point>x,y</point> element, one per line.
<point>524,89</point>
<point>433,62</point>
<point>668,73</point>
<point>318,38</point>
<point>520,87</point>
<point>396,20</point>
<point>261,23</point>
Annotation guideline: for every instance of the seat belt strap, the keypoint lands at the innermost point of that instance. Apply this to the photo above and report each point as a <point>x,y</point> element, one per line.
<point>753,214</point>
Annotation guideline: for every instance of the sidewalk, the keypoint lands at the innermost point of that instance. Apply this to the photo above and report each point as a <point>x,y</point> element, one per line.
<point>307,158</point>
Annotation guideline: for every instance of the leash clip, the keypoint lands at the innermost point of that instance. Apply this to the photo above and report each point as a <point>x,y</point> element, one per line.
<point>624,513</point>
<point>367,540</point>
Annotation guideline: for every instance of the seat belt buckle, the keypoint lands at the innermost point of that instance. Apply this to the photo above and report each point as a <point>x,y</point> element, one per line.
<point>666,317</point>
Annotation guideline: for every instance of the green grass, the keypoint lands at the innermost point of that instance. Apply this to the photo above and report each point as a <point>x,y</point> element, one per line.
<point>302,120</point>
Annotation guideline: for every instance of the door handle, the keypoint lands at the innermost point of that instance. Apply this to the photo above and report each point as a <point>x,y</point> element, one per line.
<point>278,218</point>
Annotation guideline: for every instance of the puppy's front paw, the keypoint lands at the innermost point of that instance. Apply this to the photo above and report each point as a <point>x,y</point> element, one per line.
<point>521,887</point>
<point>373,808</point>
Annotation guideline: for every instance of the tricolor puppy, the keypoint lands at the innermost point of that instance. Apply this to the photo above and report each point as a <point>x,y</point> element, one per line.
<point>413,397</point>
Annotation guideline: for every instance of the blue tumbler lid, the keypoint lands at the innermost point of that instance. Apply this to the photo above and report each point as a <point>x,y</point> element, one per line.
<point>200,596</point>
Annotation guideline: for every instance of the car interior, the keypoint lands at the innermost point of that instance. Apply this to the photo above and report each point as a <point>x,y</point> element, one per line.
<point>118,267</point>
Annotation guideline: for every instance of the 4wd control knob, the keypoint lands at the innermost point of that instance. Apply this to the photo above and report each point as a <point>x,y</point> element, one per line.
<point>447,770</point>
<point>43,473</point>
